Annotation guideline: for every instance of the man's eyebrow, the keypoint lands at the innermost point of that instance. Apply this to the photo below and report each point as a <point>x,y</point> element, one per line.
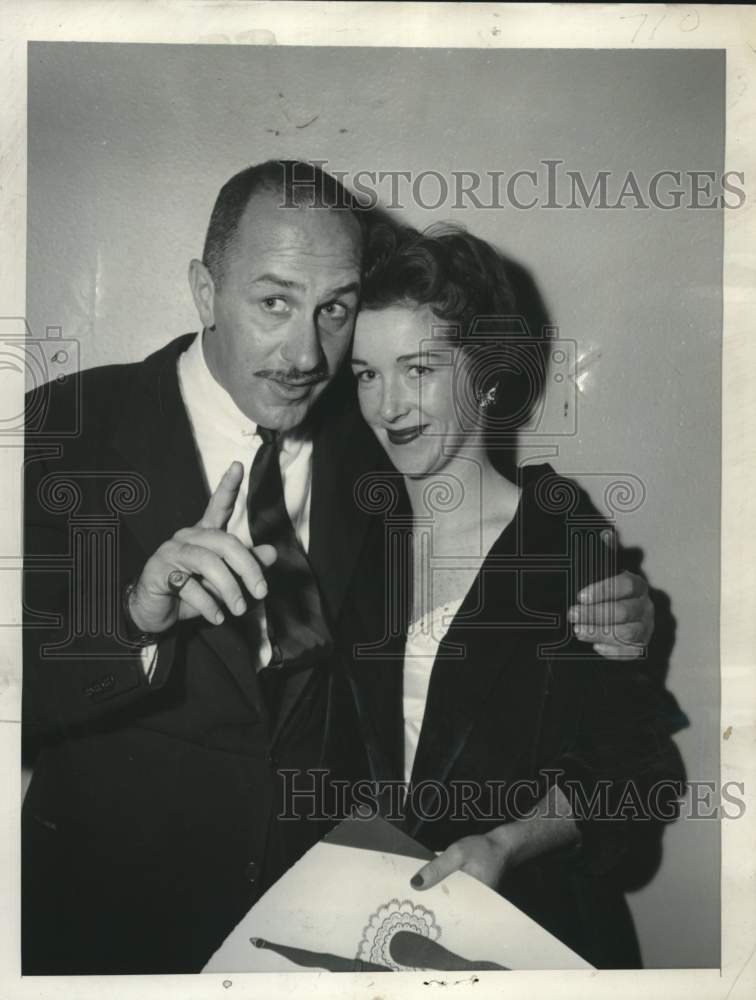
<point>274,279</point>
<point>353,286</point>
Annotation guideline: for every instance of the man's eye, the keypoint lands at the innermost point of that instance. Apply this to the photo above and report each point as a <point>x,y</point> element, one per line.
<point>335,310</point>
<point>275,304</point>
<point>418,371</point>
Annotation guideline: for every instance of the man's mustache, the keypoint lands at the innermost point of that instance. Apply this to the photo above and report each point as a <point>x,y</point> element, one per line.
<point>294,376</point>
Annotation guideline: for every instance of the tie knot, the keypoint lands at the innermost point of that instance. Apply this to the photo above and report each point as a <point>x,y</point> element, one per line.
<point>268,436</point>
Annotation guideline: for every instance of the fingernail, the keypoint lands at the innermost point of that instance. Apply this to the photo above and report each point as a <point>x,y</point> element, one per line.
<point>584,596</point>
<point>261,590</point>
<point>219,618</point>
<point>573,614</point>
<point>579,630</point>
<point>416,881</point>
<point>241,606</point>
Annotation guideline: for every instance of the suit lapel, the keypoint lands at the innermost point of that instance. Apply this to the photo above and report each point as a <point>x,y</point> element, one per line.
<point>155,438</point>
<point>360,549</point>
<point>345,454</point>
<point>293,690</point>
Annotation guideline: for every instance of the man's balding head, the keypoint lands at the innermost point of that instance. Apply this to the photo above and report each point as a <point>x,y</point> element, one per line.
<point>297,183</point>
<point>278,288</point>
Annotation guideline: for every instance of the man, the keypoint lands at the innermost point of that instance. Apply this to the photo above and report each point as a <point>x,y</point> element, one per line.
<point>167,718</point>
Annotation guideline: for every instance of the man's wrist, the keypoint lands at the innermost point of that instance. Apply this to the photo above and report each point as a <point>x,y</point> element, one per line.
<point>135,635</point>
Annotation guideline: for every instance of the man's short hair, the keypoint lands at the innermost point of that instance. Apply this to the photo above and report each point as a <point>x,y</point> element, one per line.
<point>297,182</point>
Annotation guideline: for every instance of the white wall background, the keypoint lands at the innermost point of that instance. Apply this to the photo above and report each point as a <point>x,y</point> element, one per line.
<point>128,146</point>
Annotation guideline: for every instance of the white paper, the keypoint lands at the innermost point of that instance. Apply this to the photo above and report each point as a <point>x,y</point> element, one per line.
<point>337,898</point>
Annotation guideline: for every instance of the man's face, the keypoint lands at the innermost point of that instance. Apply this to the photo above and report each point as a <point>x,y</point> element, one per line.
<point>285,310</point>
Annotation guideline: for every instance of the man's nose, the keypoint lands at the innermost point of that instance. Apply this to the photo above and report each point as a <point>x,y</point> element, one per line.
<point>302,349</point>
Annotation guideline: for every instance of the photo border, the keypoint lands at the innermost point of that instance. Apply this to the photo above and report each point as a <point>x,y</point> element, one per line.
<point>490,26</point>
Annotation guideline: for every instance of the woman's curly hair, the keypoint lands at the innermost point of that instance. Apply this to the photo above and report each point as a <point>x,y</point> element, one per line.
<point>458,275</point>
<point>466,282</point>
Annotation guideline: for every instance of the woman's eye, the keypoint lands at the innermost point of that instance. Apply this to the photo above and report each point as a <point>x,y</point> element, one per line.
<point>275,304</point>
<point>366,375</point>
<point>418,371</point>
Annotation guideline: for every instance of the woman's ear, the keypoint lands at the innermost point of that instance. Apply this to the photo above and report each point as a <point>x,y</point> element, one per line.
<point>203,292</point>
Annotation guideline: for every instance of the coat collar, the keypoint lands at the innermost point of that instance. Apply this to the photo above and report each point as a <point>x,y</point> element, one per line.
<point>486,662</point>
<point>155,438</point>
<point>489,660</point>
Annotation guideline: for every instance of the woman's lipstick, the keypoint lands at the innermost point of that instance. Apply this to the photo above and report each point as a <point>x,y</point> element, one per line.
<point>406,435</point>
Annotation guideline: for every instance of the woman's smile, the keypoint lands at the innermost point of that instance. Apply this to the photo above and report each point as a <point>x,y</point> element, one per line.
<point>406,435</point>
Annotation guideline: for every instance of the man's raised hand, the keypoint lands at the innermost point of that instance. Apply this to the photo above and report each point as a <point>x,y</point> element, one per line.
<point>202,570</point>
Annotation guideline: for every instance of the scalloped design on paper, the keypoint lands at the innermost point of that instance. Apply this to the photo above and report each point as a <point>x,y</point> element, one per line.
<point>396,915</point>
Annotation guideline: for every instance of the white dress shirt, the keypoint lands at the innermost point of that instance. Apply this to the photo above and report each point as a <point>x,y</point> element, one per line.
<point>223,434</point>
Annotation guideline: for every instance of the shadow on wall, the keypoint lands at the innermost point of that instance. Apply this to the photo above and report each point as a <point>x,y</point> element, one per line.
<point>641,864</point>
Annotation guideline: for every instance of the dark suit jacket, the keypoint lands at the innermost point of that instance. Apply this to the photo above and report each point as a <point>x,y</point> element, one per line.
<point>150,826</point>
<point>512,696</point>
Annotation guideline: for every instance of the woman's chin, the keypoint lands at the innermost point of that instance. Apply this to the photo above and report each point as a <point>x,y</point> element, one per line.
<point>424,471</point>
<point>409,468</point>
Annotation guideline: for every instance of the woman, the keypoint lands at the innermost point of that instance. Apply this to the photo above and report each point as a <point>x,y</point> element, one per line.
<point>507,726</point>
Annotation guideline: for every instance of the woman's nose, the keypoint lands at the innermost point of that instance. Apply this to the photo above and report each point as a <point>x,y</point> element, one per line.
<point>393,405</point>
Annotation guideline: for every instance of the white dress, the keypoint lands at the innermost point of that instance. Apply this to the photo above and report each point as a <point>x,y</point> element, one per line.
<point>423,639</point>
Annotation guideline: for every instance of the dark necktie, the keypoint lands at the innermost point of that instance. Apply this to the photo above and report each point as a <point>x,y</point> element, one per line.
<point>297,628</point>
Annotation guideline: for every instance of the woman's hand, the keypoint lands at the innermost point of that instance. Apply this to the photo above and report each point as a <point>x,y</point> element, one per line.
<point>484,857</point>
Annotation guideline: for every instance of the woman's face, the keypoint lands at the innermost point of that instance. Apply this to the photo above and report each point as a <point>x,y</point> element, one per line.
<point>407,382</point>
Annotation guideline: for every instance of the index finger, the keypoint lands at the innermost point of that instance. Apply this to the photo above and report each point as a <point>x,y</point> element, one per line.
<point>437,869</point>
<point>221,504</point>
<point>614,588</point>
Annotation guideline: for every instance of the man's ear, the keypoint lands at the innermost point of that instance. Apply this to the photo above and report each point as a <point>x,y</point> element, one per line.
<point>203,292</point>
